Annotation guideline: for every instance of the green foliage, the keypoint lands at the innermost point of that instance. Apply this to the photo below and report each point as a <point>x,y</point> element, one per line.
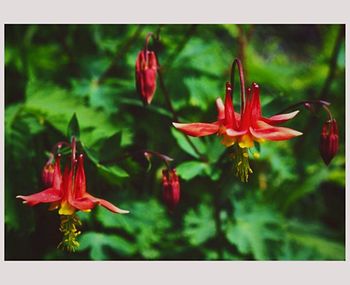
<point>199,225</point>
<point>96,242</point>
<point>254,227</point>
<point>73,128</point>
<point>145,226</point>
<point>79,80</point>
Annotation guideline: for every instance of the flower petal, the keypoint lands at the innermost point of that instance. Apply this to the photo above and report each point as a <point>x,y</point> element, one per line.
<point>268,132</point>
<point>255,102</point>
<point>277,119</point>
<point>197,129</point>
<point>109,206</point>
<point>234,133</point>
<point>229,110</point>
<point>47,196</point>
<point>83,204</point>
<point>220,108</point>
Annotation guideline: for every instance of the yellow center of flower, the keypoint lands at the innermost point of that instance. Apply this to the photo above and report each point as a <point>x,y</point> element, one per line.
<point>66,209</point>
<point>241,163</point>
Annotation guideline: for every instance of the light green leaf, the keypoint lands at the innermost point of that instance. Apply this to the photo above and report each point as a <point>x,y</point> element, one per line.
<point>200,225</point>
<point>185,145</point>
<point>190,169</point>
<point>96,242</point>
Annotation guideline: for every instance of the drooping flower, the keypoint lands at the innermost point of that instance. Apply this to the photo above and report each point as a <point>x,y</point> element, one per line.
<point>171,188</point>
<point>240,130</point>
<point>245,127</point>
<point>146,75</point>
<point>329,141</point>
<point>68,191</point>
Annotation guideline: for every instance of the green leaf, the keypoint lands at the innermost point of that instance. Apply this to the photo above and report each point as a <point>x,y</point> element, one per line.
<point>96,242</point>
<point>254,227</point>
<point>56,105</point>
<point>185,145</point>
<point>199,225</point>
<point>92,154</point>
<point>190,169</point>
<point>112,173</point>
<point>73,128</point>
<point>315,239</point>
<point>140,223</point>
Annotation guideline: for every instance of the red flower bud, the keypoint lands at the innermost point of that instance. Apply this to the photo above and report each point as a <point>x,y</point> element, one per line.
<point>329,142</point>
<point>171,188</point>
<point>146,75</point>
<point>47,173</point>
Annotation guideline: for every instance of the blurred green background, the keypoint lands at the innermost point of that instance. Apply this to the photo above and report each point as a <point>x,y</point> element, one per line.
<point>292,208</point>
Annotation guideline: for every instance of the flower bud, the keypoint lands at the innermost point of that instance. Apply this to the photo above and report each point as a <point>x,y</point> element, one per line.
<point>47,174</point>
<point>171,188</point>
<point>146,75</point>
<point>329,141</point>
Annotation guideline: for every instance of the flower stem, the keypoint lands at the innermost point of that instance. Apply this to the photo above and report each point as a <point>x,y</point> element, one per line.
<point>294,106</point>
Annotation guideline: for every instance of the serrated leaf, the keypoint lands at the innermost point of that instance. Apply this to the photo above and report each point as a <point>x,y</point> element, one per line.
<point>96,242</point>
<point>147,233</point>
<point>200,225</point>
<point>253,228</point>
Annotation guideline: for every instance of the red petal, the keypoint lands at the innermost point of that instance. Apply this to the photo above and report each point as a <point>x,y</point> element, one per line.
<point>106,204</point>
<point>234,133</point>
<point>277,119</point>
<point>268,132</point>
<point>255,103</point>
<point>57,175</point>
<point>82,204</point>
<point>197,129</point>
<point>229,111</point>
<point>221,108</point>
<point>80,179</point>
<point>47,196</point>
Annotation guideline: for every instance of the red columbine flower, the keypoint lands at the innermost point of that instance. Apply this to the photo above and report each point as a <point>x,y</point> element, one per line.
<point>243,128</point>
<point>171,188</point>
<point>68,192</point>
<point>329,141</point>
<point>146,75</point>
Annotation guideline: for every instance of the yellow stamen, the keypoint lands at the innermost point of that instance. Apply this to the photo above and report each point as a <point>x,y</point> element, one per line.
<point>70,232</point>
<point>241,163</point>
